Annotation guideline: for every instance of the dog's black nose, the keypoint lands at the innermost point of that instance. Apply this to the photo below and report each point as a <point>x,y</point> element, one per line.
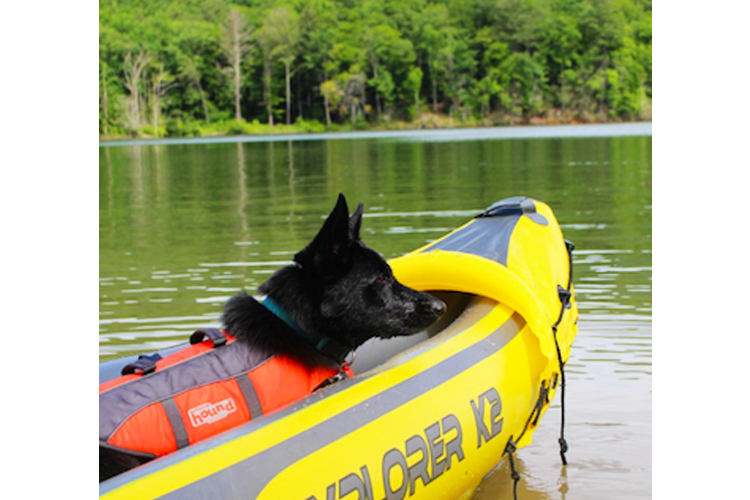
<point>438,307</point>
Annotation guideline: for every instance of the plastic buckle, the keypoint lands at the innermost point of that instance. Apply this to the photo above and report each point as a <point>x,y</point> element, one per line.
<point>564,296</point>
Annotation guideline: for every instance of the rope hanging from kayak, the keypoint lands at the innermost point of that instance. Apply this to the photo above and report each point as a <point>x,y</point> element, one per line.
<point>565,296</point>
<point>563,443</point>
<point>510,449</point>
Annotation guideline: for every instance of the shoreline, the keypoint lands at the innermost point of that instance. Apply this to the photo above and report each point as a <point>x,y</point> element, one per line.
<point>434,134</point>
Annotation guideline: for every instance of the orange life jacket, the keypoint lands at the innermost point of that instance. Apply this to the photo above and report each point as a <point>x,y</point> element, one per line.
<point>160,404</point>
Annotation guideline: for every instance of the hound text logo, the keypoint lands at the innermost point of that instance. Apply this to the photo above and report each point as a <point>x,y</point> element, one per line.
<point>209,413</point>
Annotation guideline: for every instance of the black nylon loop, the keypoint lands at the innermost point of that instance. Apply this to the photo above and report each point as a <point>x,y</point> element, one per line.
<point>216,336</point>
<point>146,363</point>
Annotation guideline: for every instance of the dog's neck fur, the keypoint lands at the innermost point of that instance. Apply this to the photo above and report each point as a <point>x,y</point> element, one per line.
<point>250,321</point>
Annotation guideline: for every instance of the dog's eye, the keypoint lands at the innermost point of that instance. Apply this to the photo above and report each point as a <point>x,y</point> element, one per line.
<point>380,280</point>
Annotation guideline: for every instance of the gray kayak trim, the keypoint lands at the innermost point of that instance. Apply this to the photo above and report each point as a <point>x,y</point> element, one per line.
<point>490,233</point>
<point>249,477</point>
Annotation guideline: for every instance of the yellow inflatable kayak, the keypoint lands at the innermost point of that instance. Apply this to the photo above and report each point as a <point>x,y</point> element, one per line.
<point>427,416</point>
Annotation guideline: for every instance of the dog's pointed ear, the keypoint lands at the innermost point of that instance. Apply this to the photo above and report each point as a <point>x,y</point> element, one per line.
<point>329,249</point>
<point>355,222</point>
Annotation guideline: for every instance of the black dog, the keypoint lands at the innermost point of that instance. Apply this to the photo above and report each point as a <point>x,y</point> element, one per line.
<point>336,296</point>
<point>338,289</point>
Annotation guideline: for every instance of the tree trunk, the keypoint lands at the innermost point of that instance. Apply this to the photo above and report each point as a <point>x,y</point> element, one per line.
<point>434,88</point>
<point>325,99</point>
<point>135,101</point>
<point>237,96</point>
<point>300,102</point>
<point>288,94</point>
<point>133,68</point>
<point>267,88</point>
<point>602,96</point>
<point>161,83</point>
<point>377,95</point>
<point>237,79</point>
<point>328,111</point>
<point>155,111</point>
<point>235,44</point>
<point>105,103</point>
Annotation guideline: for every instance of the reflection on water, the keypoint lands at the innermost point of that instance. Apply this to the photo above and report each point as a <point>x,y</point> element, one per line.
<point>183,227</point>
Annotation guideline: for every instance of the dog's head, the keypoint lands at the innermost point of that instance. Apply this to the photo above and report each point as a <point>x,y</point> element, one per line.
<point>357,295</point>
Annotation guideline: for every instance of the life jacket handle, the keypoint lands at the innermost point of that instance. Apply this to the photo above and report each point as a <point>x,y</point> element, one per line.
<point>146,363</point>
<point>216,336</point>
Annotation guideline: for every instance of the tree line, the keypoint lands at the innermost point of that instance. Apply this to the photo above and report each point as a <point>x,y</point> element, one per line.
<point>193,67</point>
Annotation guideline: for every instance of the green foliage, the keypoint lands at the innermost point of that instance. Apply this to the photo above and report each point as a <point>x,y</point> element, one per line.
<point>357,64</point>
<point>309,126</point>
<point>177,127</point>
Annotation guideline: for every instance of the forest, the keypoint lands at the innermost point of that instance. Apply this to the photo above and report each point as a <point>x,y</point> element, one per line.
<point>183,68</point>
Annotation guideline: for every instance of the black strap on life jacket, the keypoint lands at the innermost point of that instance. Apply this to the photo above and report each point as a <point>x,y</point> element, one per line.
<point>216,336</point>
<point>146,364</point>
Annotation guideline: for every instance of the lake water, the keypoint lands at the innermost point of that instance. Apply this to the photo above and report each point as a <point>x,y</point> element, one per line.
<point>184,225</point>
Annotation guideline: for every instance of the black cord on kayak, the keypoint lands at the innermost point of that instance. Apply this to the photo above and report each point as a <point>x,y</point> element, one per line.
<point>561,440</point>
<point>565,297</point>
<point>510,449</point>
